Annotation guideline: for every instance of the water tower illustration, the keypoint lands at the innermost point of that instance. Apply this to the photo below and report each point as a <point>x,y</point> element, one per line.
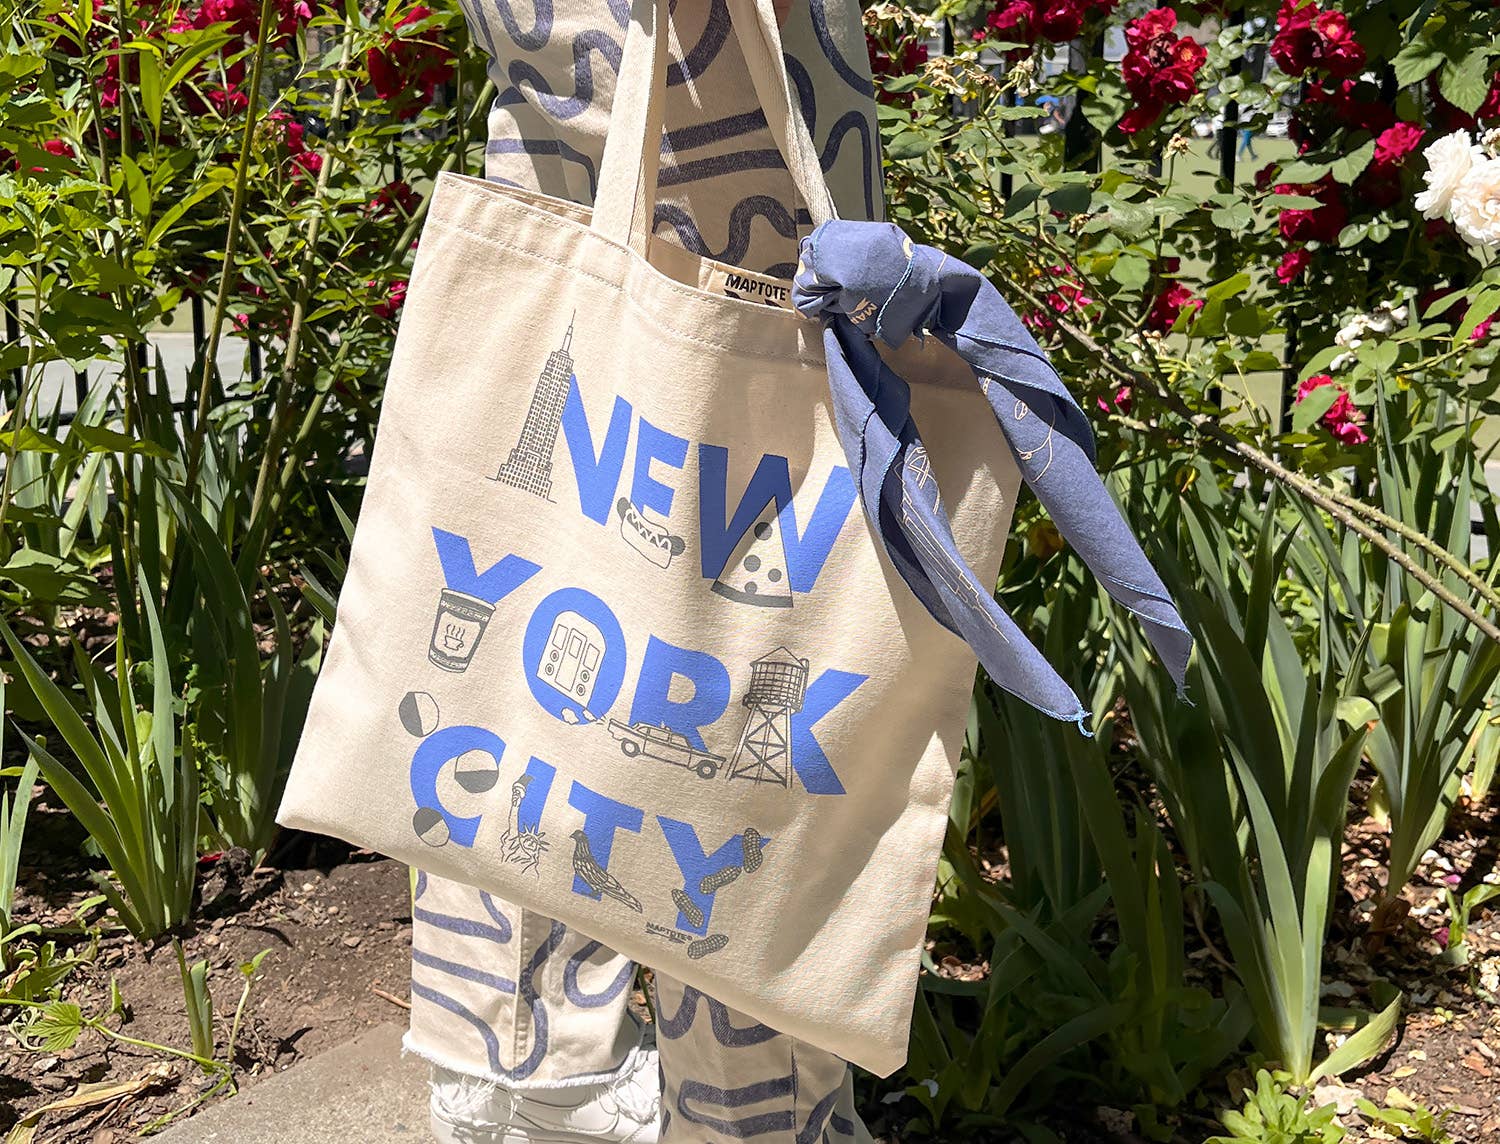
<point>529,466</point>
<point>778,685</point>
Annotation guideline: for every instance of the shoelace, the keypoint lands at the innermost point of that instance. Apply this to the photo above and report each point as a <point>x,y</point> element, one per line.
<point>630,1100</point>
<point>462,1097</point>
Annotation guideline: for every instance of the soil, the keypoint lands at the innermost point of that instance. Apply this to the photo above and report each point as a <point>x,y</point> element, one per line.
<point>335,924</point>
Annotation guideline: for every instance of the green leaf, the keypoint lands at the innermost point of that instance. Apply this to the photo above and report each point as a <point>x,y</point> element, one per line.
<point>1072,199</point>
<point>1360,1046</point>
<point>1248,321</point>
<point>909,145</point>
<point>1021,198</point>
<point>59,1026</point>
<point>1131,271</point>
<point>1319,401</point>
<point>98,439</point>
<point>1239,217</point>
<point>1415,62</point>
<point>29,440</point>
<point>1349,167</point>
<point>210,184</point>
<point>1228,288</point>
<point>137,188</point>
<point>1464,83</point>
<point>1484,305</point>
<point>150,86</point>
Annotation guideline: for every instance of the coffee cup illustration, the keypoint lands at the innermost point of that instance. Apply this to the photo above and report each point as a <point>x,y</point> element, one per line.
<point>457,630</point>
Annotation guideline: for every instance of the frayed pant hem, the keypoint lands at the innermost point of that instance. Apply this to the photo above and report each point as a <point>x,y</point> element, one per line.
<point>441,1060</point>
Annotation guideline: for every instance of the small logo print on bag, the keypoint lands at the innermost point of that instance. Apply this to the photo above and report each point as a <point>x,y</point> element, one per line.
<point>676,937</point>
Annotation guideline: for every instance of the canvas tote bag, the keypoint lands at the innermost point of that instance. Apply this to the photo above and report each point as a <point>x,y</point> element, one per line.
<point>617,641</point>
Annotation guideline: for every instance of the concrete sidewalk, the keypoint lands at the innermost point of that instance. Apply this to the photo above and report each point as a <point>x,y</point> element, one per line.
<point>360,1092</point>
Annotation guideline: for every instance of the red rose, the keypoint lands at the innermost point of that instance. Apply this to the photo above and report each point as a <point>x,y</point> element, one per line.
<point>1062,20</point>
<point>1394,144</point>
<point>244,16</point>
<point>391,305</point>
<point>1320,224</point>
<point>404,65</point>
<point>1293,263</point>
<point>1152,26</point>
<point>1308,38</point>
<point>1067,298</point>
<point>1159,68</point>
<point>1169,305</point>
<point>1141,116</point>
<point>1343,418</point>
<point>395,198</point>
<point>1017,22</point>
<point>1338,51</point>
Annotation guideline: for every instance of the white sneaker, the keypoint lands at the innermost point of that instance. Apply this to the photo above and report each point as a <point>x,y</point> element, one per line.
<point>626,1110</point>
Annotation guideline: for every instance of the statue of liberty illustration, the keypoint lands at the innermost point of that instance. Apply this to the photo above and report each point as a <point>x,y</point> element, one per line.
<point>529,466</point>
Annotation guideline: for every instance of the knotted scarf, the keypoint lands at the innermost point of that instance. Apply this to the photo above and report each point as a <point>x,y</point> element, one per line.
<point>868,280</point>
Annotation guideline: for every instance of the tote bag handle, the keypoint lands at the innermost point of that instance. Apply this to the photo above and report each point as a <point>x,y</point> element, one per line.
<point>626,196</point>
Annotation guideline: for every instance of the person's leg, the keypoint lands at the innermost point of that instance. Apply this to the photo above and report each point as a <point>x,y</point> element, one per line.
<point>525,1023</point>
<point>725,1078</point>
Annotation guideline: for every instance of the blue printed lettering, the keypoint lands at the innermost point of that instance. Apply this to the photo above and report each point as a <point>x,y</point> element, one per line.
<point>651,444</point>
<point>597,474</point>
<point>825,693</point>
<point>529,813</point>
<point>434,753</point>
<point>806,552</point>
<point>696,865</point>
<point>493,584</point>
<point>709,678</point>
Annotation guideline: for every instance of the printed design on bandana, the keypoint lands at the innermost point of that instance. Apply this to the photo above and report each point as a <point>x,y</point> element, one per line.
<point>529,466</point>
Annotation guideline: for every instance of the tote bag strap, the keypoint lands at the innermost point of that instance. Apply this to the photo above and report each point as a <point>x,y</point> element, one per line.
<point>626,194</point>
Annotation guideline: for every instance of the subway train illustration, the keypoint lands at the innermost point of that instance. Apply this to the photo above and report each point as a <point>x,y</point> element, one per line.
<point>570,663</point>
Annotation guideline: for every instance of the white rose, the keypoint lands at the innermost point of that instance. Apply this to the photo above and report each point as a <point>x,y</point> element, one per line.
<point>1449,159</point>
<point>1475,209</point>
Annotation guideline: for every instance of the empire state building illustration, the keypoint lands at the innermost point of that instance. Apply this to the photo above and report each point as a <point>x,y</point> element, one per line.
<point>529,466</point>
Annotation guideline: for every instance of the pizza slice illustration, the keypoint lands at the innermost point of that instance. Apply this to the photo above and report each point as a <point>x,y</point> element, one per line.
<point>756,571</point>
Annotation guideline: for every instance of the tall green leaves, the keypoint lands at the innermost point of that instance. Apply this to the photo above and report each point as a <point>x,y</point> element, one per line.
<point>251,728</point>
<point>1272,749</point>
<point>13,810</point>
<point>140,803</point>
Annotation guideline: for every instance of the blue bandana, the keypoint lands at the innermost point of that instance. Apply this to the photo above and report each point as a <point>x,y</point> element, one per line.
<point>868,280</point>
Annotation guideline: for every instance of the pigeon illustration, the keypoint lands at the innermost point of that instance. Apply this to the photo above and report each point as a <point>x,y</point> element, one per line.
<point>596,877</point>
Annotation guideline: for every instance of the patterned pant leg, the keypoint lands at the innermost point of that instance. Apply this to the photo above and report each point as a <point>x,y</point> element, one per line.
<point>726,1078</point>
<point>514,997</point>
